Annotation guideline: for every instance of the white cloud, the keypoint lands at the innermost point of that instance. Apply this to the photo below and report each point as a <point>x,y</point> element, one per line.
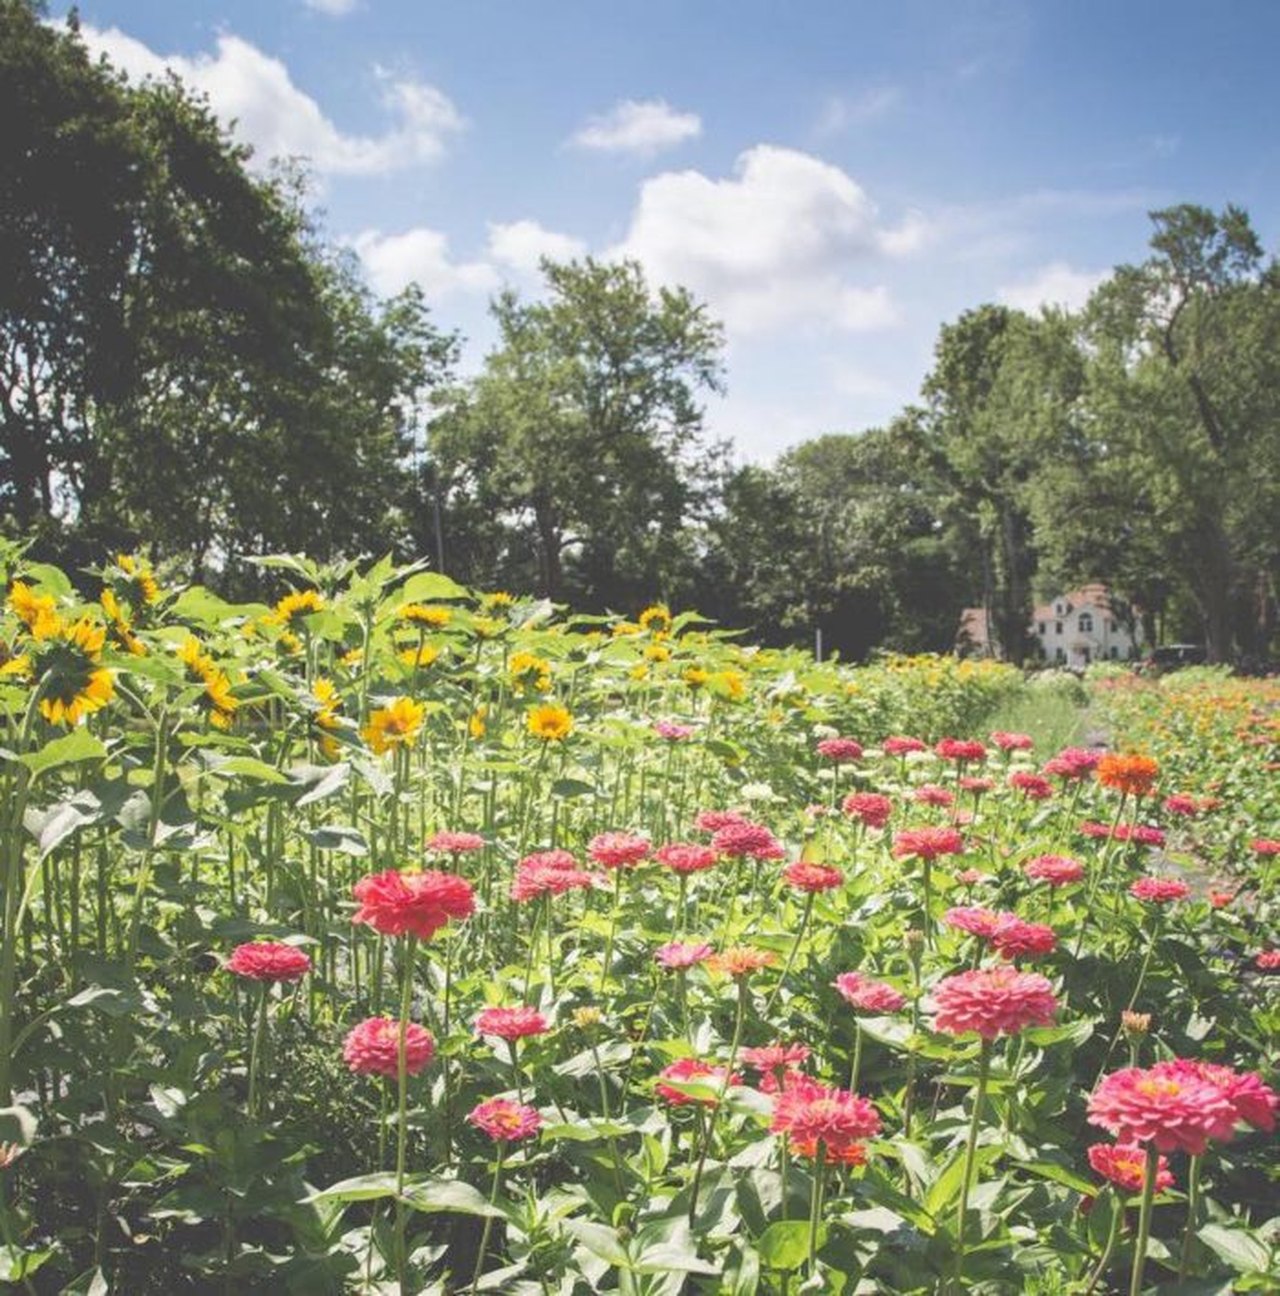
<point>421,256</point>
<point>772,245</point>
<point>1055,284</point>
<point>334,8</point>
<point>256,93</point>
<point>522,244</point>
<point>638,126</point>
<point>842,112</point>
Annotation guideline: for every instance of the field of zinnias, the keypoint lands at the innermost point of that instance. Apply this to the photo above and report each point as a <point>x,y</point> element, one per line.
<point>393,938</point>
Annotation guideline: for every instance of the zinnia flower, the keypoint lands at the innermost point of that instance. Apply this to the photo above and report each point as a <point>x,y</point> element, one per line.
<point>865,995</point>
<point>692,1070</point>
<point>1132,775</point>
<point>870,807</point>
<point>268,961</point>
<point>992,1002</point>
<point>1156,890</point>
<point>775,1057</point>
<point>840,749</point>
<point>397,725</point>
<point>1180,804</point>
<point>504,1120</point>
<point>1032,786</point>
<point>1268,960</point>
<point>812,877</point>
<point>740,961</point>
<point>454,843</point>
<point>550,872</point>
<point>747,840</point>
<point>373,1048</point>
<point>1072,763</point>
<point>412,904</point>
<point>711,821</point>
<point>1125,1165</point>
<point>975,783</point>
<point>961,749</point>
<point>511,1023</point>
<point>1255,1102</point>
<point>975,920</point>
<point>686,857</point>
<point>676,956</point>
<point>927,843</point>
<point>931,794</point>
<point>1015,938</point>
<point>813,1115</point>
<point>901,746</point>
<point>1012,741</point>
<point>619,849</point>
<point>1265,845</point>
<point>669,731</point>
<point>1175,1112</point>
<point>1056,870</point>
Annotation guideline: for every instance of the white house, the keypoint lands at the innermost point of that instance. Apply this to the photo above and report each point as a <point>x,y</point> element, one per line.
<point>1074,629</point>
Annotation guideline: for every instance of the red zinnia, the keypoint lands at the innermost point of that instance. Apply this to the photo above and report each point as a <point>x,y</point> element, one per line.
<point>812,1114</point>
<point>747,840</point>
<point>1268,960</point>
<point>927,843</point>
<point>1180,804</point>
<point>504,1120</point>
<point>550,872</point>
<point>511,1023</point>
<point>933,795</point>
<point>1265,845</point>
<point>1012,741</point>
<point>872,808</point>
<point>1254,1101</point>
<point>619,849</point>
<point>775,1057</point>
<point>268,961</point>
<point>961,749</point>
<point>1175,1112</point>
<point>993,1002</point>
<point>454,843</point>
<point>688,1070</point>
<point>412,904</point>
<point>812,877</point>
<point>711,821</point>
<point>1015,938</point>
<point>840,749</point>
<point>1125,1165</point>
<point>865,995</point>
<point>1072,763</point>
<point>1159,890</point>
<point>686,857</point>
<point>373,1048</point>
<point>1032,786</point>
<point>901,746</point>
<point>1056,870</point>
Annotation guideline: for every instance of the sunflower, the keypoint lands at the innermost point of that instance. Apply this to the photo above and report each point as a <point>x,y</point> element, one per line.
<point>498,601</point>
<point>290,610</point>
<point>397,725</point>
<point>138,575</point>
<point>625,629</point>
<point>217,700</point>
<point>730,684</point>
<point>422,655</point>
<point>550,722</point>
<point>38,612</point>
<point>434,618</point>
<point>118,623</point>
<point>484,627</point>
<point>657,652</point>
<point>695,677</point>
<point>328,701</point>
<point>477,725</point>
<point>65,665</point>
<point>656,617</point>
<point>529,671</point>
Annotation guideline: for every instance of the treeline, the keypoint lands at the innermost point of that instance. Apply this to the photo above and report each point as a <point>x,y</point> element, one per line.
<point>186,366</point>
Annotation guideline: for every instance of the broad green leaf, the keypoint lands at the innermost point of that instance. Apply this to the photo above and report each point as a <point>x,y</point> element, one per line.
<point>426,586</point>
<point>449,1196</point>
<point>367,1187</point>
<point>785,1243</point>
<point>1238,1247</point>
<point>78,745</point>
<point>946,1188</point>
<point>601,1241</point>
<point>336,837</point>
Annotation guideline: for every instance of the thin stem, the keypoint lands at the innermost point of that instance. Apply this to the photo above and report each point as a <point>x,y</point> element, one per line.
<point>1144,1220</point>
<point>1113,1236</point>
<point>971,1148</point>
<point>791,956</point>
<point>256,1051</point>
<point>488,1219</point>
<point>402,1098</point>
<point>815,1204</point>
<point>1193,1209</point>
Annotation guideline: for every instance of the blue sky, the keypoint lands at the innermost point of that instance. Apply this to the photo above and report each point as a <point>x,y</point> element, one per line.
<point>835,178</point>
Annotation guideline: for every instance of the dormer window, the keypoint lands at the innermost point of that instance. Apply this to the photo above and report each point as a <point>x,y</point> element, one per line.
<point>1086,622</point>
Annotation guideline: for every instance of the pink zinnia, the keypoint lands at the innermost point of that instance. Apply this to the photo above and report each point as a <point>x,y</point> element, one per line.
<point>672,732</point>
<point>927,843</point>
<point>1265,845</point>
<point>454,843</point>
<point>1143,834</point>
<point>870,807</point>
<point>1268,960</point>
<point>1056,870</point>
<point>901,746</point>
<point>932,794</point>
<point>1072,763</point>
<point>1156,890</point>
<point>812,877</point>
<point>504,1120</point>
<point>686,857</point>
<point>1175,1112</point>
<point>961,749</point>
<point>550,872</point>
<point>840,749</point>
<point>677,956</point>
<point>976,783</point>
<point>373,1048</point>
<point>1254,1101</point>
<point>775,1057</point>
<point>971,877</point>
<point>975,920</point>
<point>1180,804</point>
<point>1015,938</point>
<point>747,840</point>
<point>690,1070</point>
<point>865,995</point>
<point>812,1114</point>
<point>711,821</point>
<point>1012,741</point>
<point>412,904</point>
<point>511,1023</point>
<point>996,1001</point>
<point>619,849</point>
<point>1031,786</point>
<point>1125,1165</point>
<point>268,961</point>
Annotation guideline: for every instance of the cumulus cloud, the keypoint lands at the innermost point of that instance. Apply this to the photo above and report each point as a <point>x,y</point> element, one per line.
<point>522,244</point>
<point>420,255</point>
<point>644,127</point>
<point>254,94</point>
<point>1055,284</point>
<point>775,243</point>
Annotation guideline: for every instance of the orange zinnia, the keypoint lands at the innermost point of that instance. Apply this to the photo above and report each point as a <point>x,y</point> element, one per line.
<point>1129,774</point>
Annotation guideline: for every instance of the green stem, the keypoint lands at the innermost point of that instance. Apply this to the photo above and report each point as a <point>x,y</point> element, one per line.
<point>815,1205</point>
<point>488,1219</point>
<point>1193,1209</point>
<point>1144,1220</point>
<point>715,1111</point>
<point>402,1106</point>
<point>256,1052</point>
<point>1113,1236</point>
<point>795,949</point>
<point>971,1148</point>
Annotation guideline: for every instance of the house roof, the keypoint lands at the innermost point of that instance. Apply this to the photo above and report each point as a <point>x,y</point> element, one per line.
<point>1095,596</point>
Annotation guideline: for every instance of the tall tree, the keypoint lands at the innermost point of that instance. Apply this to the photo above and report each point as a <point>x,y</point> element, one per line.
<point>584,434</point>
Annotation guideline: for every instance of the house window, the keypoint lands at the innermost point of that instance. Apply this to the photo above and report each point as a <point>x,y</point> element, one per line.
<point>1059,655</point>
<point>1086,623</point>
<point>1115,653</point>
<point>1057,627</point>
<point>1111,625</point>
<point>1040,627</point>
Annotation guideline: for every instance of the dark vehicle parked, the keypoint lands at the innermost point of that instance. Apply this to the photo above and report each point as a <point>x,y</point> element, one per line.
<point>1171,657</point>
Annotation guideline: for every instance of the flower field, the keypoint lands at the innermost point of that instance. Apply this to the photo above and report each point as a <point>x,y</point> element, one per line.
<point>394,938</point>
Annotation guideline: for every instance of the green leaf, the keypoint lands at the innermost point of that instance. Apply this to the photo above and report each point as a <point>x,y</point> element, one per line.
<point>246,767</point>
<point>1061,1175</point>
<point>367,1187</point>
<point>78,745</point>
<point>449,1195</point>
<point>946,1187</point>
<point>16,1265</point>
<point>601,1241</point>
<point>337,837</point>
<point>1077,1032</point>
<point>426,586</point>
<point>53,579</point>
<point>1238,1247</point>
<point>569,788</point>
<point>785,1243</point>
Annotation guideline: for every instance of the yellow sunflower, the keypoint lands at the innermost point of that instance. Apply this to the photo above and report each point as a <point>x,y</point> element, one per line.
<point>435,618</point>
<point>397,725</point>
<point>656,617</point>
<point>290,610</point>
<point>217,701</point>
<point>72,683</point>
<point>550,722</point>
<point>38,612</point>
<point>139,576</point>
<point>121,630</point>
<point>423,655</point>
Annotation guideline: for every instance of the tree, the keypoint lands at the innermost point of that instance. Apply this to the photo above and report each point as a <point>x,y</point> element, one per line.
<point>583,437</point>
